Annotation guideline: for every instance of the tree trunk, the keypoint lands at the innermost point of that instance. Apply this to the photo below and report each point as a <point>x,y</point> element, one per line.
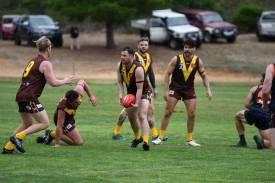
<point>110,35</point>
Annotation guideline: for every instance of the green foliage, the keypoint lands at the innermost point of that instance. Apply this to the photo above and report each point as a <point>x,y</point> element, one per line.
<point>102,159</point>
<point>197,4</point>
<point>245,17</point>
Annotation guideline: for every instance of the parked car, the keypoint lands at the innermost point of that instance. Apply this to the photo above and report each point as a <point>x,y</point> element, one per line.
<point>266,25</point>
<point>212,25</point>
<point>6,26</point>
<point>166,26</point>
<point>32,27</point>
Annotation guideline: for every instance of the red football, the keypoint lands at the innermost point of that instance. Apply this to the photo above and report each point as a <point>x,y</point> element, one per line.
<point>128,100</point>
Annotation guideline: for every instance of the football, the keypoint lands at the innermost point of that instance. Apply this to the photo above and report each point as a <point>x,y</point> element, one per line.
<point>128,100</point>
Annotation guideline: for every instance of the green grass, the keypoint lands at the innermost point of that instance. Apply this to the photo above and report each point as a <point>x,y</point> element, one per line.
<point>102,159</point>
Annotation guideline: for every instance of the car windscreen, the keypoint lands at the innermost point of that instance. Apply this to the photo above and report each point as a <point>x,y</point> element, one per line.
<point>37,21</point>
<point>9,20</point>
<point>176,21</point>
<point>212,18</point>
<point>269,18</point>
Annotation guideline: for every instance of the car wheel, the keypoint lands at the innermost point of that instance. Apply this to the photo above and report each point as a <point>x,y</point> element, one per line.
<point>207,37</point>
<point>30,41</point>
<point>231,39</point>
<point>58,43</point>
<point>17,40</point>
<point>173,43</point>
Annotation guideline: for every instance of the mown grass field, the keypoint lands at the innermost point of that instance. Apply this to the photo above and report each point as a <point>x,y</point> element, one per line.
<point>102,159</point>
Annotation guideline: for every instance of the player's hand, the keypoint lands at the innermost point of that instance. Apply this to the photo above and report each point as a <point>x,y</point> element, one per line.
<point>265,108</point>
<point>93,100</point>
<point>56,145</point>
<point>134,105</point>
<point>156,94</point>
<point>69,80</point>
<point>209,95</point>
<point>120,101</point>
<point>165,96</point>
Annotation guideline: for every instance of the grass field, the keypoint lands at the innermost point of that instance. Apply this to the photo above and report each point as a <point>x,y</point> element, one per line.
<point>102,159</point>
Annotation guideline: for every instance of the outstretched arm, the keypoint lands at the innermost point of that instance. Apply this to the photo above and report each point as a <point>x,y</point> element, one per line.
<point>83,86</point>
<point>47,69</point>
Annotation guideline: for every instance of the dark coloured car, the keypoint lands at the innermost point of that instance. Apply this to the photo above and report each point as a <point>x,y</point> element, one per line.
<point>212,25</point>
<point>32,27</point>
<point>6,26</point>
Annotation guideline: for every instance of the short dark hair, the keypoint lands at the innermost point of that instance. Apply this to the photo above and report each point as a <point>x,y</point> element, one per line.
<point>71,95</point>
<point>129,50</point>
<point>190,42</point>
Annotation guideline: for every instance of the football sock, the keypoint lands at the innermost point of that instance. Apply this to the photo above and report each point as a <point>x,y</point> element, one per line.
<point>145,138</point>
<point>117,130</point>
<point>154,132</point>
<point>52,134</point>
<point>9,146</point>
<point>242,139</point>
<point>137,135</point>
<point>161,134</point>
<point>189,137</point>
<point>21,135</point>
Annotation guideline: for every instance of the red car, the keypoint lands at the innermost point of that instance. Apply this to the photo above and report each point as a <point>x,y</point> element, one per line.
<point>212,25</point>
<point>6,26</point>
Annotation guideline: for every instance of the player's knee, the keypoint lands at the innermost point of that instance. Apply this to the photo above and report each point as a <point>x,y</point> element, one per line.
<point>79,143</point>
<point>168,113</point>
<point>45,125</point>
<point>191,114</point>
<point>142,117</point>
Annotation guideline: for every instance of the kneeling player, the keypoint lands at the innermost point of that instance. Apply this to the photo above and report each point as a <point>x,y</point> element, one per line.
<point>64,117</point>
<point>254,115</point>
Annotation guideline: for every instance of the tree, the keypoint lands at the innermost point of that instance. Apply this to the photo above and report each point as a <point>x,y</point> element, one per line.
<point>111,12</point>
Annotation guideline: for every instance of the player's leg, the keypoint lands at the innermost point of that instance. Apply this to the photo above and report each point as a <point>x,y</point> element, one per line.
<point>152,122</point>
<point>77,43</point>
<point>133,118</point>
<point>239,122</point>
<point>272,136</point>
<point>191,113</point>
<point>266,140</point>
<point>43,123</point>
<point>27,121</point>
<point>121,118</point>
<point>169,109</point>
<point>142,114</point>
<point>72,138</point>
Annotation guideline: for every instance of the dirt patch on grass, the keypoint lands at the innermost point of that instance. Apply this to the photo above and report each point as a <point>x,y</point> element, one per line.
<point>243,60</point>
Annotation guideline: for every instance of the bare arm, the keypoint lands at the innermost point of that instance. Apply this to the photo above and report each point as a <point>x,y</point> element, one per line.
<point>169,71</point>
<point>83,86</point>
<point>267,86</point>
<point>139,73</point>
<point>153,81</point>
<point>205,80</point>
<point>249,98</point>
<point>47,69</point>
<point>119,85</point>
<point>60,122</point>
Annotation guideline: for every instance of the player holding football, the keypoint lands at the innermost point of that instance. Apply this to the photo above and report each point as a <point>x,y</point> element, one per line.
<point>64,117</point>
<point>133,75</point>
<point>183,69</point>
<point>269,84</point>
<point>142,57</point>
<point>254,115</point>
<point>37,73</point>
